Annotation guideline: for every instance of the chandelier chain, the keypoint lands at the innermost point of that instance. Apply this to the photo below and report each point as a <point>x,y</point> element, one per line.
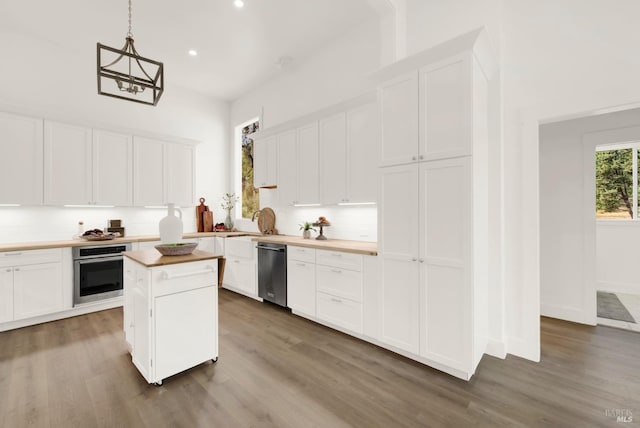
<point>129,34</point>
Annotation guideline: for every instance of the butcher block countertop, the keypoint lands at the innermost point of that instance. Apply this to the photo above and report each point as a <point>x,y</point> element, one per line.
<point>357,247</point>
<point>152,258</point>
<point>42,245</point>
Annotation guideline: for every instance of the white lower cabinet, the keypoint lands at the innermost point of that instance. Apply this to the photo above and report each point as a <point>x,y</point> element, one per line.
<point>171,316</point>
<point>340,312</point>
<point>31,284</point>
<point>301,280</point>
<point>240,273</point>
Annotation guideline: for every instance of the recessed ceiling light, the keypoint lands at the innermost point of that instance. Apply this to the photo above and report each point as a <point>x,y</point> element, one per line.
<point>238,3</point>
<point>193,52</point>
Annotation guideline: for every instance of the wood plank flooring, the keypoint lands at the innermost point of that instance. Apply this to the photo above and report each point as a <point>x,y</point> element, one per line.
<point>279,370</point>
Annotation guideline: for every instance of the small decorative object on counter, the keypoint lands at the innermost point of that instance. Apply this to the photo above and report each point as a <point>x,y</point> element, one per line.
<point>321,222</point>
<point>228,203</point>
<point>204,217</point>
<point>115,226</point>
<point>179,249</point>
<point>98,235</point>
<point>306,229</point>
<point>220,227</point>
<point>171,226</point>
<point>80,230</point>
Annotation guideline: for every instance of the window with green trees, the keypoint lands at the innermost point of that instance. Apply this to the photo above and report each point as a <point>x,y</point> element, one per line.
<point>617,182</point>
<point>250,195</point>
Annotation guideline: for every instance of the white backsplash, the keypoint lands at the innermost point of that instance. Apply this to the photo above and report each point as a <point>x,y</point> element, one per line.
<point>356,222</point>
<point>27,224</point>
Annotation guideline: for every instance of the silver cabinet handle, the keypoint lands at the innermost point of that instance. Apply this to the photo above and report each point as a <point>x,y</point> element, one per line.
<point>414,259</point>
<point>421,157</point>
<point>16,269</point>
<point>333,299</point>
<point>8,270</point>
<point>301,264</point>
<point>336,254</point>
<point>12,254</point>
<point>336,271</point>
<point>166,275</point>
<point>421,260</point>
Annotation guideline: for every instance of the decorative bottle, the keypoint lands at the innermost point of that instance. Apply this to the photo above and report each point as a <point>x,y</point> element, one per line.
<point>171,226</point>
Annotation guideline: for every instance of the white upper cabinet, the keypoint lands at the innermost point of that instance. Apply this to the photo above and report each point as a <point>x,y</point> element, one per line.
<point>399,108</point>
<point>287,168</point>
<point>348,144</point>
<point>180,174</point>
<point>112,168</point>
<point>363,137</point>
<point>163,173</point>
<point>67,164</point>
<point>445,109</point>
<point>333,159</point>
<point>298,166</point>
<point>307,151</point>
<point>148,166</point>
<point>21,154</point>
<point>265,162</point>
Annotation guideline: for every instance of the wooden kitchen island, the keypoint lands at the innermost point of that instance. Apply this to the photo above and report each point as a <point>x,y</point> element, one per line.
<point>170,311</point>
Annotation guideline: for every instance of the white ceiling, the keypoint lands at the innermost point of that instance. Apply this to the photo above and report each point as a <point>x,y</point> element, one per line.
<point>237,48</point>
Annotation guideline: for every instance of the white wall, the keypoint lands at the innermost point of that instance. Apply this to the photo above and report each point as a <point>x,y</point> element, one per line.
<point>568,238</point>
<point>617,255</point>
<point>45,80</point>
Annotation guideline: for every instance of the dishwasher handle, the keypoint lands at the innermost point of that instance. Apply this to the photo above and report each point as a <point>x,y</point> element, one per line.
<point>280,250</point>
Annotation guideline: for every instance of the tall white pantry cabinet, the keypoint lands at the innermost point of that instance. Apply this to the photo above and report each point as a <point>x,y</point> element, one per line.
<point>433,204</point>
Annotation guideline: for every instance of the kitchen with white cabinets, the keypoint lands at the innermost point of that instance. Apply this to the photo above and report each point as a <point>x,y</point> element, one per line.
<point>411,126</point>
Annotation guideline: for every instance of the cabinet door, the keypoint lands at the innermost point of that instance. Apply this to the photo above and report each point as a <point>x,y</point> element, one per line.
<point>333,159</point>
<point>180,174</point>
<point>148,170</point>
<point>399,110</point>
<point>6,294</point>
<point>241,274</point>
<point>399,249</point>
<point>445,109</point>
<point>287,168</point>
<point>67,164</point>
<point>207,244</point>
<point>185,330</point>
<point>112,168</point>
<point>38,290</point>
<point>301,287</point>
<point>446,308</point>
<point>307,160</point>
<point>21,152</point>
<point>265,162</point>
<point>129,277</point>
<point>363,137</point>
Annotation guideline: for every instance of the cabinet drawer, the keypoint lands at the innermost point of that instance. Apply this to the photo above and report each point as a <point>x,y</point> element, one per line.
<point>182,277</point>
<point>341,312</point>
<point>240,273</point>
<point>301,253</point>
<point>339,259</point>
<point>339,282</point>
<point>31,257</point>
<point>239,247</point>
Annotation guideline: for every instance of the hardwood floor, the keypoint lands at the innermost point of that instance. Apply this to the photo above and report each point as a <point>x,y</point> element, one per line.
<point>276,369</point>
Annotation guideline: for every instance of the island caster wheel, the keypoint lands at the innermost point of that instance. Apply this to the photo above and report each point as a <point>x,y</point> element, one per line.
<point>215,360</point>
<point>158,383</point>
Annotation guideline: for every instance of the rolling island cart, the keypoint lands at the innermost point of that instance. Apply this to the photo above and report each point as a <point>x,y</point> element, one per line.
<point>170,311</point>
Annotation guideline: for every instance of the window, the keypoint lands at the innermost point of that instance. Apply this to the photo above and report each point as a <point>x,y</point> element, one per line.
<point>617,182</point>
<point>250,196</point>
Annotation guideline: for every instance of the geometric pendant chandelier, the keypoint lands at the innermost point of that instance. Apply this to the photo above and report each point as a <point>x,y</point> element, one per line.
<point>124,74</point>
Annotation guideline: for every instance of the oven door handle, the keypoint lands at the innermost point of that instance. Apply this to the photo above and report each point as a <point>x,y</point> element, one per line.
<point>99,260</point>
<point>165,275</point>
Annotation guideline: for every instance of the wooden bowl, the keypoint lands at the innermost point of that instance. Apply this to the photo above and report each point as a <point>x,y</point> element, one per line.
<point>178,249</point>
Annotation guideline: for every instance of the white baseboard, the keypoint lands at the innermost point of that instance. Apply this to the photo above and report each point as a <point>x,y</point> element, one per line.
<point>496,348</point>
<point>567,314</point>
<point>618,287</point>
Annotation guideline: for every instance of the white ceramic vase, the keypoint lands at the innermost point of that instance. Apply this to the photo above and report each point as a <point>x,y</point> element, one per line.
<point>171,226</point>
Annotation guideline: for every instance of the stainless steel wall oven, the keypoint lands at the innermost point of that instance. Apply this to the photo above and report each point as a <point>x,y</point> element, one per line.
<point>97,272</point>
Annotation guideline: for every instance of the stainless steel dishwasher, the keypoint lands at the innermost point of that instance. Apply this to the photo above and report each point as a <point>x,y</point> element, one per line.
<point>272,273</point>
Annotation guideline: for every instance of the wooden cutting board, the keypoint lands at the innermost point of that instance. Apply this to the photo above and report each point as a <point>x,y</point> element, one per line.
<point>207,221</point>
<point>267,221</point>
<point>200,209</point>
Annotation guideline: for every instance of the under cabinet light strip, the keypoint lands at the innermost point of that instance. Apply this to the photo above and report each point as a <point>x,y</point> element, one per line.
<point>88,206</point>
<point>9,205</point>
<point>306,205</point>
<point>355,203</point>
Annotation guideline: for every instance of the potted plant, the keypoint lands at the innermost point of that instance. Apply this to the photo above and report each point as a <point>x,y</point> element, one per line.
<point>228,203</point>
<point>306,229</point>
